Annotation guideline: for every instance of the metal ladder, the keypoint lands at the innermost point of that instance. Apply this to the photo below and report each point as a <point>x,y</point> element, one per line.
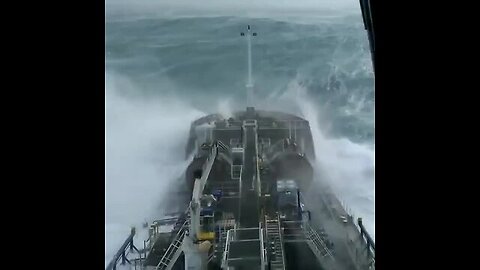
<point>303,232</point>
<point>174,250</point>
<point>317,245</point>
<point>274,238</point>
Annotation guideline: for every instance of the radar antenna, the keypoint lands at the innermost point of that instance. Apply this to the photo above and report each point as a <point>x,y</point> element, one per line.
<point>249,85</point>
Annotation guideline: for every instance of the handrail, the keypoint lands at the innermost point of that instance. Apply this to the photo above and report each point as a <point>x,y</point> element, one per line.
<point>280,237</point>
<point>363,232</point>
<point>154,227</point>
<point>210,257</point>
<point>225,251</point>
<point>225,147</point>
<point>128,243</point>
<point>364,236</point>
<point>262,245</point>
<point>178,237</point>
<point>360,227</point>
<point>319,239</point>
<point>281,242</point>
<point>312,237</point>
<point>258,186</point>
<point>206,168</point>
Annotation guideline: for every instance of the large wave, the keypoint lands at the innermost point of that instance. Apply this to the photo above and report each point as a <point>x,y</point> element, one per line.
<point>145,139</point>
<point>162,73</point>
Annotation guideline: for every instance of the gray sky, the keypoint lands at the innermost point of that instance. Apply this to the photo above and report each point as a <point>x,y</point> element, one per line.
<point>230,7</point>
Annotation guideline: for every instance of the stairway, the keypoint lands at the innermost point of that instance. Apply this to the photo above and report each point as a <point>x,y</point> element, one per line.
<point>174,250</point>
<point>303,232</point>
<point>318,246</point>
<point>274,238</point>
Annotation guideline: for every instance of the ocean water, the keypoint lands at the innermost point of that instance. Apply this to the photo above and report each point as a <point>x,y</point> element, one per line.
<point>165,70</point>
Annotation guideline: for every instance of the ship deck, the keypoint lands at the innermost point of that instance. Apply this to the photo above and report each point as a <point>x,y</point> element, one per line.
<point>245,160</point>
<point>350,249</point>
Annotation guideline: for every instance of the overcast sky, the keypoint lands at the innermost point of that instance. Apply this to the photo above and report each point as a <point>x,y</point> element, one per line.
<point>230,6</point>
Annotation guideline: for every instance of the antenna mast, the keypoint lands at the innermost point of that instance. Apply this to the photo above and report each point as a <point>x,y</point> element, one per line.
<point>249,85</point>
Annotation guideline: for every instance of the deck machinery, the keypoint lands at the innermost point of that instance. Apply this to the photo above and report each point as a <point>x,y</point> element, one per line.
<point>251,200</point>
<point>253,203</point>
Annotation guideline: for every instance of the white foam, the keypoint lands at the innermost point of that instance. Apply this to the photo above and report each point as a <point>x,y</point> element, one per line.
<point>348,167</point>
<point>145,142</point>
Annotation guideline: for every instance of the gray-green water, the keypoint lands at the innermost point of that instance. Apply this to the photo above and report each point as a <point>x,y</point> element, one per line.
<point>162,72</point>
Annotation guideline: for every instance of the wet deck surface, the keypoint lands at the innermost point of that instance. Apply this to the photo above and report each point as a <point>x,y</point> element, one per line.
<point>249,201</point>
<point>329,214</point>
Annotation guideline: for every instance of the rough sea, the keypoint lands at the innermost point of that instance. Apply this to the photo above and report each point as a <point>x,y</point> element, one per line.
<point>165,69</point>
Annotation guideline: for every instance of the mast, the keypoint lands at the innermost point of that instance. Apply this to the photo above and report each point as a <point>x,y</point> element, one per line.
<point>249,85</point>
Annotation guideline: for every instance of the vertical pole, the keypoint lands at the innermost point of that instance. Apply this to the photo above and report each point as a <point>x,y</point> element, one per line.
<point>249,45</point>
<point>132,232</point>
<point>123,257</point>
<point>249,85</point>
<point>249,82</point>
<point>299,208</point>
<point>361,227</point>
<point>290,129</point>
<point>295,128</point>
